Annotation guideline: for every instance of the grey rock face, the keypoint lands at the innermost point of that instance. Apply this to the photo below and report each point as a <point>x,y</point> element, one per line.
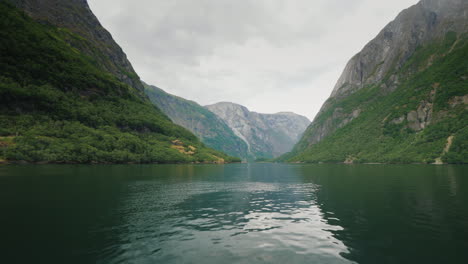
<point>267,135</point>
<point>76,16</point>
<point>318,131</point>
<point>420,24</point>
<point>420,118</point>
<point>427,20</point>
<point>457,100</point>
<point>210,128</point>
<point>417,119</point>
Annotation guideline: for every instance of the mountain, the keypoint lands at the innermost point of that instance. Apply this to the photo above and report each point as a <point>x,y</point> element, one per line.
<point>403,98</point>
<point>211,129</point>
<point>76,16</point>
<point>266,135</point>
<point>69,94</point>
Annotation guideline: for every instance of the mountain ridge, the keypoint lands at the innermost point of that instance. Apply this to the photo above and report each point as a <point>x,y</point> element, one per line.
<point>400,89</point>
<point>268,135</point>
<point>80,20</point>
<point>211,129</point>
<point>412,27</point>
<point>64,98</point>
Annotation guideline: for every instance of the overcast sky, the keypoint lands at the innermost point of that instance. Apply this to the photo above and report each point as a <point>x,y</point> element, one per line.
<point>269,55</point>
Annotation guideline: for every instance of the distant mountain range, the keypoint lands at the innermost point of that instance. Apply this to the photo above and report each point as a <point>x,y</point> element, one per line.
<point>211,129</point>
<point>267,135</point>
<point>403,98</point>
<point>232,128</point>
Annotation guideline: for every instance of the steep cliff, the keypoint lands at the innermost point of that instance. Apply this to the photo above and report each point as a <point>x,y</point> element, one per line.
<point>402,97</point>
<point>414,27</point>
<point>93,39</point>
<point>211,129</point>
<point>267,135</point>
<point>68,93</point>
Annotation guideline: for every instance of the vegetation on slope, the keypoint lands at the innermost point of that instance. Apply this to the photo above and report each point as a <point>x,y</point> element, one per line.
<point>211,129</point>
<point>58,105</point>
<point>436,76</point>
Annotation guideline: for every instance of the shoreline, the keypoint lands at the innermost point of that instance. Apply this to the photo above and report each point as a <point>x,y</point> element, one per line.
<point>22,162</point>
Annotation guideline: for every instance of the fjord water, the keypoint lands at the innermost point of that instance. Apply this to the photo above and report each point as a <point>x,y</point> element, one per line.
<point>239,213</point>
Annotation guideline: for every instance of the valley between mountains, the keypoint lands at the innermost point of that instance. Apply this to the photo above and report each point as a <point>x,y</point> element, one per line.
<point>68,94</point>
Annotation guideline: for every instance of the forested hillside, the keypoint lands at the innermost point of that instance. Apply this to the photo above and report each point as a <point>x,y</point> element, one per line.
<point>63,100</point>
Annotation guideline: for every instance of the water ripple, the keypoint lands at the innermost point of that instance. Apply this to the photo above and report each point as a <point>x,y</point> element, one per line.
<point>263,222</point>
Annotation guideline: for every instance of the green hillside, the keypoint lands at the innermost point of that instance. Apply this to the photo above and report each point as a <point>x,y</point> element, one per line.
<point>59,105</point>
<point>212,131</point>
<point>424,120</point>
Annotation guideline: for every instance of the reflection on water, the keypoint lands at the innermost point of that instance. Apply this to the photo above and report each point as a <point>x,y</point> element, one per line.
<point>398,214</point>
<point>240,213</point>
<point>214,222</point>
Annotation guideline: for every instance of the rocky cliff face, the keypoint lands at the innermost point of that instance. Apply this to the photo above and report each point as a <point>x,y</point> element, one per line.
<point>267,135</point>
<point>211,129</point>
<point>76,16</point>
<point>399,94</point>
<point>394,45</point>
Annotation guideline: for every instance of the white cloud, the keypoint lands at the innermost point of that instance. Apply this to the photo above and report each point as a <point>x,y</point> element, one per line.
<point>269,55</point>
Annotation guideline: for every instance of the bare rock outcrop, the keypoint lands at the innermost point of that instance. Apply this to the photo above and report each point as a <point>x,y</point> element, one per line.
<point>392,47</point>
<point>267,135</point>
<point>383,56</point>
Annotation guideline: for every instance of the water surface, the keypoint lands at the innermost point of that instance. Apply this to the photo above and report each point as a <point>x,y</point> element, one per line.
<point>239,213</point>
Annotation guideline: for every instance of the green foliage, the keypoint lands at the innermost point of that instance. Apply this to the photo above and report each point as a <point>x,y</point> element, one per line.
<point>436,73</point>
<point>212,131</point>
<point>263,159</point>
<point>58,105</point>
<point>458,153</point>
